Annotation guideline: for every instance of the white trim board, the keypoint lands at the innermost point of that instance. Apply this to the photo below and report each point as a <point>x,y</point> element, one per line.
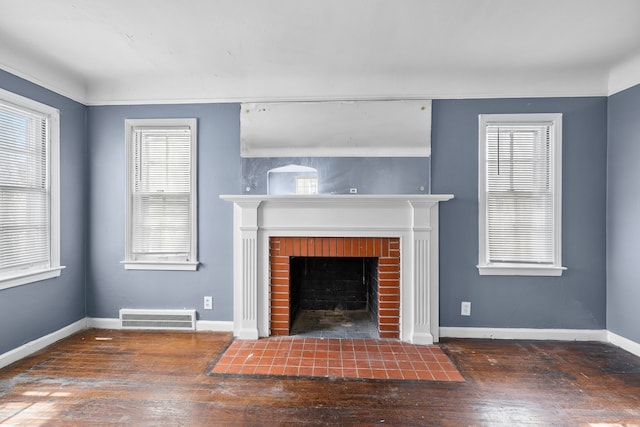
<point>103,323</point>
<point>624,343</point>
<point>214,325</point>
<point>38,344</point>
<point>526,334</point>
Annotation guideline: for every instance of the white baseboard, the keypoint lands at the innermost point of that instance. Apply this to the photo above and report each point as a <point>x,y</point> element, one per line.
<point>624,343</point>
<point>38,344</point>
<point>214,325</point>
<point>526,334</point>
<point>103,323</point>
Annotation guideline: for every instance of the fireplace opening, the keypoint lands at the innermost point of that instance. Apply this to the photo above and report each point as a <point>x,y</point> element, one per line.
<point>334,296</point>
<point>382,283</point>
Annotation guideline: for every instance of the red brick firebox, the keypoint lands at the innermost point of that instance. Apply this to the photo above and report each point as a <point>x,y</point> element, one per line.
<point>386,249</point>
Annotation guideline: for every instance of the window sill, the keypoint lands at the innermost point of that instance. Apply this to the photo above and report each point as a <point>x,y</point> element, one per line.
<point>520,270</point>
<point>154,265</point>
<point>29,276</point>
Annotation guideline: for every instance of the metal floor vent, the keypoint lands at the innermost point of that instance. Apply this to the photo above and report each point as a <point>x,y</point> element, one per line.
<point>158,319</point>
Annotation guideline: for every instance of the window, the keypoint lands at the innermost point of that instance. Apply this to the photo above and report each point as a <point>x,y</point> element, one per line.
<point>292,179</point>
<point>306,185</point>
<point>29,191</point>
<point>520,184</point>
<point>161,194</point>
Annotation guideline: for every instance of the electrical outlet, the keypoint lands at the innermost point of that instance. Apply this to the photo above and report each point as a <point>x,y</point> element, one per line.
<point>465,308</point>
<point>353,190</point>
<point>208,303</point>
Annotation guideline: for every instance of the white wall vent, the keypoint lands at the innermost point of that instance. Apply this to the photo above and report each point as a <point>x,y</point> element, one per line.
<point>158,319</point>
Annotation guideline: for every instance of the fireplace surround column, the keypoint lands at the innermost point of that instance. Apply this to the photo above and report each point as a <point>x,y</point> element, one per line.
<point>425,274</point>
<point>245,255</point>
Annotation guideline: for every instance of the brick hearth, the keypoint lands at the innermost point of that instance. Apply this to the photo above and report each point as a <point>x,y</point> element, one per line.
<point>386,249</point>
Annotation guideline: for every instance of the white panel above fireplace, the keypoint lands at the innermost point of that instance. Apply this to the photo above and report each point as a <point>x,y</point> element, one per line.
<point>336,129</point>
<point>412,218</point>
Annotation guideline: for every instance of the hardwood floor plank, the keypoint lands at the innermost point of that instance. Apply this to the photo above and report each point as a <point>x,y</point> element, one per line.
<point>162,378</point>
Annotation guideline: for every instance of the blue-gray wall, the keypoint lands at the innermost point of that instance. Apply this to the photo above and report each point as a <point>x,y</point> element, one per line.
<point>95,283</point>
<point>33,310</point>
<point>623,214</point>
<point>575,300</point>
<point>111,287</point>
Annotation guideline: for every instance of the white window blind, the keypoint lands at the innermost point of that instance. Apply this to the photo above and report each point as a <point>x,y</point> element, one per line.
<point>162,193</point>
<point>24,207</point>
<point>519,193</point>
<point>28,206</point>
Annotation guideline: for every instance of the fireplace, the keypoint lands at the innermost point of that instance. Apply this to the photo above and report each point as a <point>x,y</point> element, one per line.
<point>405,226</point>
<point>381,294</point>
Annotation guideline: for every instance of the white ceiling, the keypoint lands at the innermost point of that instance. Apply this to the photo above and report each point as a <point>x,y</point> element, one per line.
<point>137,51</point>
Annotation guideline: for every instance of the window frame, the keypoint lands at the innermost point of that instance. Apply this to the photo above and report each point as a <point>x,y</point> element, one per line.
<point>53,269</point>
<point>161,262</point>
<point>485,267</point>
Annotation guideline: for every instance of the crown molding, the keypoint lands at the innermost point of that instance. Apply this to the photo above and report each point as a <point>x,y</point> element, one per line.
<point>59,81</point>
<point>435,86</point>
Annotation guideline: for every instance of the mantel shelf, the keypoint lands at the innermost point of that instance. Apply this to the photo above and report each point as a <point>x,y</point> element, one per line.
<point>340,198</point>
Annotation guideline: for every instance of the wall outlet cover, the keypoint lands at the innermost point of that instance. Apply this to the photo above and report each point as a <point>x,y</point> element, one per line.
<point>465,308</point>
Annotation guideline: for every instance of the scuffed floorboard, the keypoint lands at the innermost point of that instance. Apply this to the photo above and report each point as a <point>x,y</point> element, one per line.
<point>161,379</point>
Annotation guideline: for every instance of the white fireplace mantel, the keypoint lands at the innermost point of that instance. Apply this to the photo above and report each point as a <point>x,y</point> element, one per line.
<point>412,218</point>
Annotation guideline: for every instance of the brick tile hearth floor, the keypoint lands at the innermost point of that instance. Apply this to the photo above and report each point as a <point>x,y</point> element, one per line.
<point>329,357</point>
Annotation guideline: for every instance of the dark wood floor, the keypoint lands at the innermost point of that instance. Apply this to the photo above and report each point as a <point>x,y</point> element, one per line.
<point>158,379</point>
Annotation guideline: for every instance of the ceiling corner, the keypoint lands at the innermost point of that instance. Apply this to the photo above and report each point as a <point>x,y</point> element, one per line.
<point>625,75</point>
<point>60,81</point>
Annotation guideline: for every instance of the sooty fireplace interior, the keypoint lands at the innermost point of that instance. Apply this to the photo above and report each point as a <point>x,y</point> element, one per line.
<point>334,295</point>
